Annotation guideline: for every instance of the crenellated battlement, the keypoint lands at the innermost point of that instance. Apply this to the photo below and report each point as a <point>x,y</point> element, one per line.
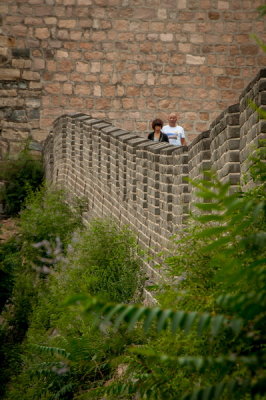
<point>142,183</point>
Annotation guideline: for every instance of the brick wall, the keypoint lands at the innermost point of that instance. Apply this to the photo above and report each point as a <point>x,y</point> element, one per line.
<point>20,98</point>
<point>140,182</point>
<point>125,61</point>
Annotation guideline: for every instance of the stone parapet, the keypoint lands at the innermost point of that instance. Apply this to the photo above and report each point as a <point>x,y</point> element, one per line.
<point>224,145</point>
<point>143,183</point>
<point>252,127</point>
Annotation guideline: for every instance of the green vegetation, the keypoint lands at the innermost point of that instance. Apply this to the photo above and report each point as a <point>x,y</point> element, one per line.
<point>72,328</point>
<point>21,269</point>
<point>49,351</point>
<point>21,176</point>
<point>214,330</point>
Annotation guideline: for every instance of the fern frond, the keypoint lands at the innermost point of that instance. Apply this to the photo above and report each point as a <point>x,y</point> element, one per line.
<point>45,368</point>
<point>63,391</point>
<point>198,363</point>
<point>212,392</point>
<point>246,301</point>
<point>161,319</point>
<point>52,350</point>
<point>144,385</point>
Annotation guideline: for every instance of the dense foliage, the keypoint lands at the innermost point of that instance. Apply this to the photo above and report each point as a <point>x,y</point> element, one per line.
<point>21,176</point>
<point>204,340</point>
<point>49,351</point>
<point>46,216</point>
<point>217,306</point>
<point>72,328</point>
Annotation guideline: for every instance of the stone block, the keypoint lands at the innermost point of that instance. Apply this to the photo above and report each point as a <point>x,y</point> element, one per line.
<point>9,74</point>
<point>30,76</point>
<point>194,60</point>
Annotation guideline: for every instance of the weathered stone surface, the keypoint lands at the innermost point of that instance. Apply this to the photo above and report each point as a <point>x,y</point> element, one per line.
<point>36,146</point>
<point>6,41</point>
<point>18,116</point>
<point>141,182</point>
<point>9,74</point>
<point>30,76</point>
<point>128,65</point>
<point>195,60</point>
<point>4,56</point>
<point>131,64</point>
<point>21,53</point>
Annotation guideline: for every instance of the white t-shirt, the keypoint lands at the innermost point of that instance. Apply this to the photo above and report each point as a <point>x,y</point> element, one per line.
<point>174,133</point>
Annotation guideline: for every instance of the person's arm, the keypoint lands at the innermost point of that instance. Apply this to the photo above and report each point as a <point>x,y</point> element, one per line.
<point>183,138</point>
<point>183,141</point>
<point>165,138</point>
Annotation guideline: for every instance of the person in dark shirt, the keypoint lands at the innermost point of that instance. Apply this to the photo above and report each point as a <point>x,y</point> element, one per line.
<point>157,135</point>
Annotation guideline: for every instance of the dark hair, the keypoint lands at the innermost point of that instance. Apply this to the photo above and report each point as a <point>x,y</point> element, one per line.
<point>156,122</point>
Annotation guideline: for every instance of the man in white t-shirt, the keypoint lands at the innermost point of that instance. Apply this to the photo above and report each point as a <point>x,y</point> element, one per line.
<point>175,133</point>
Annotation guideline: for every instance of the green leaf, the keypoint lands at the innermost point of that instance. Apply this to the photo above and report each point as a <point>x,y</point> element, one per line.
<point>209,206</point>
<point>52,350</point>
<point>206,194</point>
<point>216,230</point>
<point>163,318</point>
<point>216,324</point>
<point>149,352</point>
<point>151,315</point>
<point>189,320</point>
<point>216,244</point>
<point>258,210</point>
<point>262,45</point>
<point>79,299</point>
<point>199,363</point>
<point>121,317</point>
<point>212,392</point>
<point>177,319</point>
<point>236,325</point>
<point>204,321</point>
<point>262,10</point>
<point>113,310</point>
<point>208,393</point>
<point>136,316</point>
<point>210,218</point>
<point>219,390</point>
<point>64,390</point>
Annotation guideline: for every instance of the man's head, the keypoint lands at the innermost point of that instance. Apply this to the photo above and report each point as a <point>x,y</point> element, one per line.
<point>172,118</point>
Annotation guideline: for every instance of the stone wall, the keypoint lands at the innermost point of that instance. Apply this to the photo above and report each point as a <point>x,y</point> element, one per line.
<point>20,98</point>
<point>143,183</point>
<point>125,61</point>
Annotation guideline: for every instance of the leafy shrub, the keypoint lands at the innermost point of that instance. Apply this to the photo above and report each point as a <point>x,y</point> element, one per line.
<point>21,176</point>
<point>9,261</point>
<point>65,356</point>
<point>217,345</point>
<point>230,245</point>
<point>46,216</point>
<point>109,259</point>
